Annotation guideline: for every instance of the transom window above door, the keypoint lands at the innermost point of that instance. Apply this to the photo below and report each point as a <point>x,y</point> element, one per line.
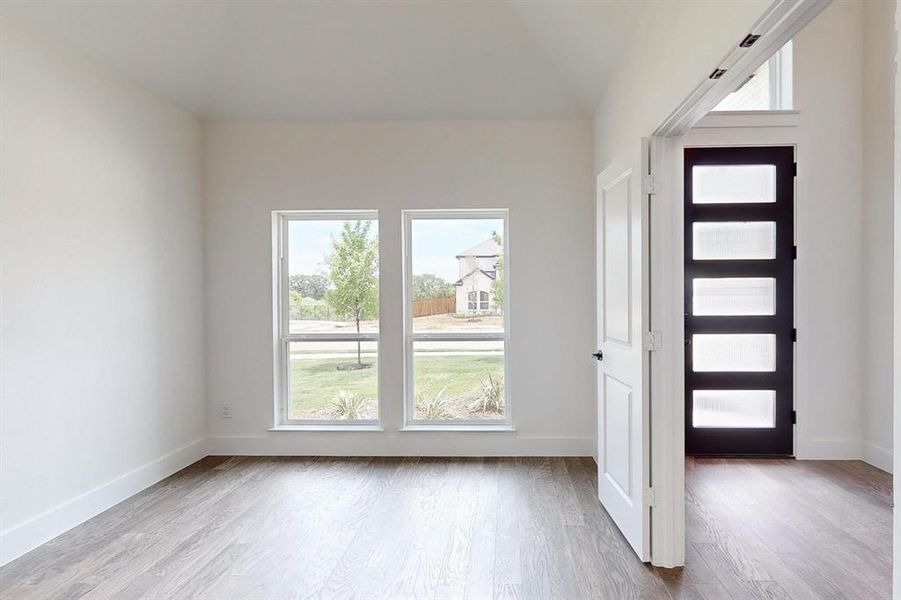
<point>768,88</point>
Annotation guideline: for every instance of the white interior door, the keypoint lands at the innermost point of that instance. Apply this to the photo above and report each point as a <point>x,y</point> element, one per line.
<point>622,366</point>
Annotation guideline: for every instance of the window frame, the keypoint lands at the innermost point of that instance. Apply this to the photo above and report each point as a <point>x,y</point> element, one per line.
<point>781,84</point>
<point>282,336</point>
<point>481,303</point>
<point>411,423</point>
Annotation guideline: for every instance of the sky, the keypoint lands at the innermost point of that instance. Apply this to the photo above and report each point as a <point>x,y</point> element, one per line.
<point>436,243</point>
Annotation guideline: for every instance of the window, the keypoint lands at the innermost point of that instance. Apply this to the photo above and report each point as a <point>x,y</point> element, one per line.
<point>768,88</point>
<point>478,301</point>
<point>456,322</point>
<point>328,329</point>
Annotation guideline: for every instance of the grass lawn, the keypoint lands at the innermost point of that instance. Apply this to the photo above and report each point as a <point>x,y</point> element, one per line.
<point>315,382</point>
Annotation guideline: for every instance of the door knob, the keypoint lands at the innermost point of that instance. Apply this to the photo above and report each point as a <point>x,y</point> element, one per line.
<point>598,355</point>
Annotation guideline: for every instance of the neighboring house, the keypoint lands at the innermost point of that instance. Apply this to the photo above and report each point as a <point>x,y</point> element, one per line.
<point>478,270</point>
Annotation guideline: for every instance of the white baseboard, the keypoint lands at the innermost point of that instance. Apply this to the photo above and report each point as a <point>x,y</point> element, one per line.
<point>830,449</point>
<point>38,530</point>
<point>879,457</point>
<point>312,443</point>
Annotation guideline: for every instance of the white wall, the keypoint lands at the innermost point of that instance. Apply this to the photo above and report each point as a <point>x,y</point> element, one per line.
<point>676,45</point>
<point>540,170</point>
<point>828,92</point>
<point>101,294</point>
<point>878,121</point>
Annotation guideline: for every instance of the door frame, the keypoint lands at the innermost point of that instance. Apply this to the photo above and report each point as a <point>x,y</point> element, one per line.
<point>778,24</point>
<point>721,130</point>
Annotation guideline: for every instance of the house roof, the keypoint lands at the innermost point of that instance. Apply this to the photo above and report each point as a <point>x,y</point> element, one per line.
<point>489,274</point>
<point>487,248</point>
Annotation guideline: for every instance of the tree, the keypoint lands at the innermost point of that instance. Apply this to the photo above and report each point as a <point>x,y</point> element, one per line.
<point>428,285</point>
<point>354,263</point>
<point>497,286</point>
<point>309,286</point>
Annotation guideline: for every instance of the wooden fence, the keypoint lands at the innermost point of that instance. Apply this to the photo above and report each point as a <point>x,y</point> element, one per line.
<point>434,306</point>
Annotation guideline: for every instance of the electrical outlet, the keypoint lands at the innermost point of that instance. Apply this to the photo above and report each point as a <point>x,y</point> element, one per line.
<point>226,411</point>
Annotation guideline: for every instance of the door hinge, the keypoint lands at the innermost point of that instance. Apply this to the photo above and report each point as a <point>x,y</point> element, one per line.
<point>650,498</point>
<point>652,341</point>
<point>794,334</point>
<point>794,169</point>
<point>794,417</point>
<point>648,184</point>
<point>794,253</point>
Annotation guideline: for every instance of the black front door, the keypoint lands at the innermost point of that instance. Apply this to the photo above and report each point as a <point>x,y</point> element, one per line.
<point>739,270</point>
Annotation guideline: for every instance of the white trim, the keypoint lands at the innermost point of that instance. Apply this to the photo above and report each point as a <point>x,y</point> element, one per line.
<point>360,214</point>
<point>410,423</point>
<point>330,337</point>
<point>451,336</point>
<point>805,447</point>
<point>832,448</point>
<point>782,74</point>
<point>479,443</point>
<point>749,118</point>
<point>779,23</point>
<point>667,364</point>
<point>332,426</point>
<point>459,426</point>
<point>879,457</point>
<point>22,538</point>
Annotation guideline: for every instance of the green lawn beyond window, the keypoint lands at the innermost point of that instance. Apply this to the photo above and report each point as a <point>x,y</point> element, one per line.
<point>315,382</point>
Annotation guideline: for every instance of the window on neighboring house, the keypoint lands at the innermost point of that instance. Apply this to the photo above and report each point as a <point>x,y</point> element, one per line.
<point>456,336</point>
<point>328,327</point>
<point>768,88</point>
<point>477,301</point>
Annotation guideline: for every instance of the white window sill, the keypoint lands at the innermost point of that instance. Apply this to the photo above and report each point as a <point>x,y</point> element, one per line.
<point>327,427</point>
<point>458,428</point>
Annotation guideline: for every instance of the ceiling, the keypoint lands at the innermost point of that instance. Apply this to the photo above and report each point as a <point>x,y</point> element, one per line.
<point>332,61</point>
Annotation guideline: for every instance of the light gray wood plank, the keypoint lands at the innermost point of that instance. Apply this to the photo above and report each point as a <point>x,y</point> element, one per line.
<point>308,527</point>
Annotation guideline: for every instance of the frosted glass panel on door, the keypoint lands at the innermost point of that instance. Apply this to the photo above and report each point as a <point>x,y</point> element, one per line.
<point>734,408</point>
<point>728,240</point>
<point>728,184</point>
<point>734,296</point>
<point>729,352</point>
